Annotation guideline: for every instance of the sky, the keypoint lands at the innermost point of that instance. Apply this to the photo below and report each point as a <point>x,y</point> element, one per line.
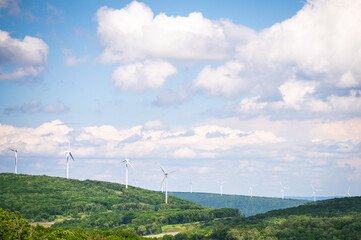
<point>249,93</point>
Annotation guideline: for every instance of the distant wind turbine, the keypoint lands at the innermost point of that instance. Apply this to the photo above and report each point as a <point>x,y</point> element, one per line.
<point>251,189</point>
<point>165,182</point>
<point>314,192</point>
<point>68,154</point>
<point>283,190</point>
<point>127,162</point>
<point>348,192</point>
<point>16,158</point>
<point>191,183</point>
<point>221,187</point>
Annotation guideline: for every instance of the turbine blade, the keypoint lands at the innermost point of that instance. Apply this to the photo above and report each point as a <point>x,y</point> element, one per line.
<point>71,156</point>
<point>171,172</point>
<point>162,169</point>
<point>130,164</point>
<point>162,182</point>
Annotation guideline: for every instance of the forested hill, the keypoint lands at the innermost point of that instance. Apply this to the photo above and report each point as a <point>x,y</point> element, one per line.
<point>338,218</point>
<point>337,207</point>
<point>248,206</point>
<point>97,205</point>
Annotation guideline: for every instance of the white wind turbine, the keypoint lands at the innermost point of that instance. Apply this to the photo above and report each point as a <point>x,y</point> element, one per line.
<point>348,192</point>
<point>314,192</point>
<point>283,191</point>
<point>221,187</point>
<point>251,189</point>
<point>165,181</point>
<point>191,184</point>
<point>68,154</point>
<point>127,162</point>
<point>16,158</point>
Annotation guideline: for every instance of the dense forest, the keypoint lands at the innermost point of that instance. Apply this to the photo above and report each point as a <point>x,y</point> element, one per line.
<point>93,205</point>
<point>247,205</point>
<point>13,226</point>
<point>329,219</point>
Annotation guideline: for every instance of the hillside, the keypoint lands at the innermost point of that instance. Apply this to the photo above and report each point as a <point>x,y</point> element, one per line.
<point>338,218</point>
<point>99,205</point>
<point>248,206</point>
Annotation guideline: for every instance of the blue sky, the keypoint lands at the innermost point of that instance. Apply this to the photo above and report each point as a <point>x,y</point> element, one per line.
<point>246,92</point>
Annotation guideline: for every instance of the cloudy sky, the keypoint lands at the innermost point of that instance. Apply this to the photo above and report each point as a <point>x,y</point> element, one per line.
<point>247,92</point>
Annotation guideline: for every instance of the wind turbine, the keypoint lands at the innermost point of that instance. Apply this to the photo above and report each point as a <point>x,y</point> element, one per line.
<point>220,187</point>
<point>165,181</point>
<point>16,159</point>
<point>68,154</point>
<point>314,192</point>
<point>348,192</point>
<point>251,189</point>
<point>283,191</point>
<point>127,162</point>
<point>191,183</point>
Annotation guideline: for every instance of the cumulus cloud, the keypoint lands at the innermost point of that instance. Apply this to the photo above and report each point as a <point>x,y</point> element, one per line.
<point>294,92</point>
<point>35,106</point>
<point>250,105</point>
<point>319,47</point>
<point>224,80</point>
<point>48,139</point>
<point>322,39</point>
<point>142,76</point>
<point>28,56</point>
<point>145,141</point>
<point>134,33</point>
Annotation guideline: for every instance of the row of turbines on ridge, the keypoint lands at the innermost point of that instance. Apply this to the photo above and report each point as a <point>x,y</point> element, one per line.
<point>165,178</point>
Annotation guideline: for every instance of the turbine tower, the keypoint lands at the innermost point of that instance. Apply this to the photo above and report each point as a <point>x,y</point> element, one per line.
<point>283,190</point>
<point>68,154</point>
<point>314,192</point>
<point>127,162</point>
<point>16,159</point>
<point>165,181</point>
<point>348,192</point>
<point>221,187</point>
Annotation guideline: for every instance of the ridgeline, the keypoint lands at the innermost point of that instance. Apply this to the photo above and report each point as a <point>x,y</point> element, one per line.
<point>247,205</point>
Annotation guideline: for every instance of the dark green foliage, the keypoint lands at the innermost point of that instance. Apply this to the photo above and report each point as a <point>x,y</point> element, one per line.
<point>330,219</point>
<point>12,227</point>
<point>248,206</point>
<point>92,205</point>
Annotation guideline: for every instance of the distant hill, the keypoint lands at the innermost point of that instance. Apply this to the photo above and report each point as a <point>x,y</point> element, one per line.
<point>338,218</point>
<point>248,206</point>
<point>99,205</point>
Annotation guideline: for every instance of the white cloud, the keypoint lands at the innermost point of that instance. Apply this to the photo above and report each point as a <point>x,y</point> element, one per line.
<point>294,92</point>
<point>250,105</point>
<point>143,76</point>
<point>48,139</point>
<point>322,38</point>
<point>318,47</point>
<point>134,33</point>
<point>224,80</point>
<point>28,55</point>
